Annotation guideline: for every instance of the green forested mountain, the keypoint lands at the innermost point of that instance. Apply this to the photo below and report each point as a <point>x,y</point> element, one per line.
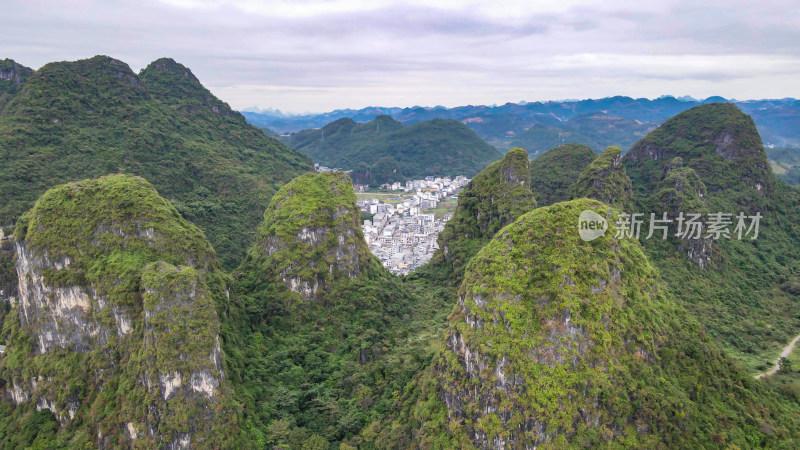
<point>710,159</point>
<point>538,126</point>
<point>604,179</point>
<point>717,140</point>
<point>115,334</point>
<point>516,344</point>
<point>596,130</point>
<point>384,151</point>
<point>74,120</point>
<point>125,330</point>
<point>540,137</point>
<point>326,336</point>
<point>556,342</point>
<point>553,172</point>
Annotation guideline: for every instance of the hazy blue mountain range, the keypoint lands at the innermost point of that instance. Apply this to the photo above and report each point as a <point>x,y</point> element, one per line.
<point>594,122</point>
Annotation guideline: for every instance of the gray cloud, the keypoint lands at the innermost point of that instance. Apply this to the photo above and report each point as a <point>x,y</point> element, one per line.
<point>316,57</point>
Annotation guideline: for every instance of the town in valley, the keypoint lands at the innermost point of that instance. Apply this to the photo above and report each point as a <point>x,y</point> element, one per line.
<point>407,219</point>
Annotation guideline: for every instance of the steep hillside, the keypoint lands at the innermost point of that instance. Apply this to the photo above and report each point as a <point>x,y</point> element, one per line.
<point>553,172</point>
<point>493,199</point>
<point>311,237</point>
<point>74,120</point>
<point>734,286</point>
<point>605,179</point>
<point>325,335</point>
<point>115,334</point>
<point>383,150</point>
<point>682,192</point>
<point>12,76</point>
<point>558,342</point>
<point>717,140</point>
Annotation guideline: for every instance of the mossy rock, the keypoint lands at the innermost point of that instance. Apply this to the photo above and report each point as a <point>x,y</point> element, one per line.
<point>311,237</point>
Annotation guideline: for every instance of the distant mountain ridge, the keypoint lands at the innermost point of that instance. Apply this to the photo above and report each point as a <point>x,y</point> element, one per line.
<point>778,120</point>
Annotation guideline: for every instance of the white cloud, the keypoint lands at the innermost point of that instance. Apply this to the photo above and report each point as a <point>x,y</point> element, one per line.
<point>319,55</point>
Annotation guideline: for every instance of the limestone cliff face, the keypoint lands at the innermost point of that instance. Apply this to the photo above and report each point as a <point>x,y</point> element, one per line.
<point>8,273</point>
<point>182,358</point>
<point>311,236</point>
<point>58,316</point>
<point>114,306</point>
<point>525,320</point>
<point>12,72</point>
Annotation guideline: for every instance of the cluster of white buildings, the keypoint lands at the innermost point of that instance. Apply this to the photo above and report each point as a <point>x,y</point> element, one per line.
<point>404,235</point>
<point>320,168</point>
<point>443,185</point>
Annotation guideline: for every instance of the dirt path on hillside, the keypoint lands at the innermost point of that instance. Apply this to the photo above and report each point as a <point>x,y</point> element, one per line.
<point>784,354</point>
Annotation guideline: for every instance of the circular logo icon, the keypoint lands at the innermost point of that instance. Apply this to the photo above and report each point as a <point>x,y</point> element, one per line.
<point>591,225</point>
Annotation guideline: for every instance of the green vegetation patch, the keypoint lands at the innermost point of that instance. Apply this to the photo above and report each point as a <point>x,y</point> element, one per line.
<point>325,364</point>
<point>155,296</point>
<point>553,172</point>
<point>558,342</point>
<point>495,197</point>
<point>718,141</point>
<point>605,180</point>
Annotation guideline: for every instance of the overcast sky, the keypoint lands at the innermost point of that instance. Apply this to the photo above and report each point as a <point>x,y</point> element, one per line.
<point>310,55</point>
